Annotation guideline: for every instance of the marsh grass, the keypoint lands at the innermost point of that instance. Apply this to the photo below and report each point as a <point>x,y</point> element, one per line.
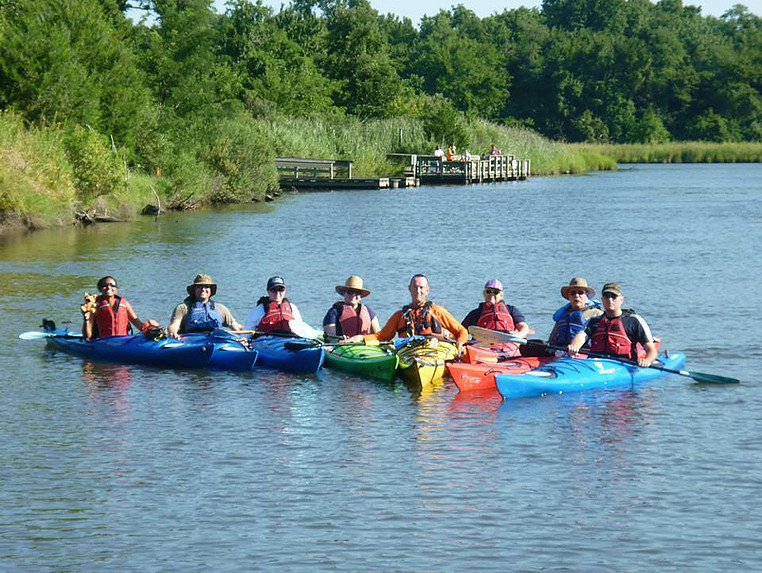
<point>676,152</point>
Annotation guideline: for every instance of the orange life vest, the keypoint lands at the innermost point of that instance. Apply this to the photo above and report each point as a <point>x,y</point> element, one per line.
<point>111,320</point>
<point>276,316</point>
<point>496,317</point>
<point>351,322</point>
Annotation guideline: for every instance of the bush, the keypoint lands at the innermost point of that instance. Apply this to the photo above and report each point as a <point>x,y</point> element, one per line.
<point>97,170</point>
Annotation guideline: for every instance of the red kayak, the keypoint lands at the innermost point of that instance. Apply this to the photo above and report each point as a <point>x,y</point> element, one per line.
<point>490,354</point>
<point>481,376</point>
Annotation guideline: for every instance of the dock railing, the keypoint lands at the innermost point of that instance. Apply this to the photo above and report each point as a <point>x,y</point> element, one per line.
<point>296,168</point>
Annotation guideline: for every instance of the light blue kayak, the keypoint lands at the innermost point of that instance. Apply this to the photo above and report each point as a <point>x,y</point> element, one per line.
<point>577,374</point>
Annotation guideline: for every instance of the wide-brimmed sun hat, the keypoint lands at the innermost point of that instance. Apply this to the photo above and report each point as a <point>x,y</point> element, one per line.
<point>202,280</point>
<point>494,283</point>
<point>614,288</point>
<point>354,283</point>
<point>577,282</point>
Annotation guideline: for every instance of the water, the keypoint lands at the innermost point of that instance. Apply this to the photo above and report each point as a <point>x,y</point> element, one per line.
<point>114,468</point>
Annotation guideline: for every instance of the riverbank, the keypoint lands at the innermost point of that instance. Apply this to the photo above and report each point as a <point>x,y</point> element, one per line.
<point>52,177</point>
<point>676,152</point>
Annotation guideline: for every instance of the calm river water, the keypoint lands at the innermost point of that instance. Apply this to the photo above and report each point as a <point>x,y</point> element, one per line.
<point>116,468</point>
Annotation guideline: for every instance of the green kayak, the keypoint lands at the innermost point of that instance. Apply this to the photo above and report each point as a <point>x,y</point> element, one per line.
<point>370,360</point>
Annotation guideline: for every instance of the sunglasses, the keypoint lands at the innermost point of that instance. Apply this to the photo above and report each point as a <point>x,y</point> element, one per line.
<point>108,285</point>
<point>577,292</point>
<point>202,287</point>
<point>352,292</point>
<point>493,291</point>
<point>278,289</point>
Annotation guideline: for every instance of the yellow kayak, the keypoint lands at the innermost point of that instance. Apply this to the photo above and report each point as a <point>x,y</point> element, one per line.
<point>422,360</point>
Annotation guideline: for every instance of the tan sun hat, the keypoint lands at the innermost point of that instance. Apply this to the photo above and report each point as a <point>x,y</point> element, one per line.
<point>202,280</point>
<point>355,283</point>
<point>577,282</point>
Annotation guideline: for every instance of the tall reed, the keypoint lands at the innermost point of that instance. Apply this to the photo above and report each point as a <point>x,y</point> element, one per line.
<point>677,152</point>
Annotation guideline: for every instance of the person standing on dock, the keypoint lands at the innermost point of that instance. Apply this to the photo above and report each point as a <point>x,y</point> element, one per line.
<point>350,317</point>
<point>439,152</point>
<point>198,312</point>
<point>618,332</point>
<point>495,150</point>
<point>451,153</point>
<point>420,317</point>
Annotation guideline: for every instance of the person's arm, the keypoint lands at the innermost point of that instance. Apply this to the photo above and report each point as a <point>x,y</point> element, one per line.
<point>576,343</point>
<point>329,321</point>
<point>651,354</point>
<point>640,332</point>
<point>386,333</point>
<point>296,313</point>
<point>375,326</point>
<point>88,325</point>
<point>175,323</point>
<point>255,317</point>
<point>522,329</point>
<point>451,323</point>
<point>471,318</point>
<point>136,322</point>
<point>228,319</point>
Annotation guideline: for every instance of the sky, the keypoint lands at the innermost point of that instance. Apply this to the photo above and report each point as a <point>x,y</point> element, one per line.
<point>415,9</point>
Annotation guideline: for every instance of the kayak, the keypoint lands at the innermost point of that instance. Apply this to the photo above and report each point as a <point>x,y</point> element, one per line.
<point>422,360</point>
<point>135,349</point>
<point>228,353</point>
<point>576,374</point>
<point>481,376</point>
<point>369,360</point>
<point>492,353</point>
<point>292,354</point>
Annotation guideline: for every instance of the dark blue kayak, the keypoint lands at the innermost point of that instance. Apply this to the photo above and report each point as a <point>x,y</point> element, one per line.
<point>578,374</point>
<point>137,349</point>
<point>228,353</point>
<point>292,354</point>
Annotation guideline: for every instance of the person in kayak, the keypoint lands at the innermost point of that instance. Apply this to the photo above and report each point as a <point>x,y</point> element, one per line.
<point>420,317</point>
<point>574,316</point>
<point>495,314</point>
<point>198,312</point>
<point>350,317</point>
<point>617,332</point>
<point>273,312</point>
<point>111,314</point>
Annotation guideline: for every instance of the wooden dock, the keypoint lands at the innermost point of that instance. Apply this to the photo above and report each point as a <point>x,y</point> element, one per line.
<point>298,173</point>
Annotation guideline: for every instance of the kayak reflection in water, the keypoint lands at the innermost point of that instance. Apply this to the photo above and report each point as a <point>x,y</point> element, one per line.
<point>420,317</point>
<point>110,314</point>
<point>198,312</point>
<point>618,332</point>
<point>349,317</point>
<point>495,314</point>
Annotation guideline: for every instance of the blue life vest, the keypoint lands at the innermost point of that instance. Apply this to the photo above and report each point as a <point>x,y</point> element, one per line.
<point>569,323</point>
<point>202,317</point>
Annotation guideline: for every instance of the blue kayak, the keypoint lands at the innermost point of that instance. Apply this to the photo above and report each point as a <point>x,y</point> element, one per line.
<point>292,354</point>
<point>576,374</point>
<point>135,349</point>
<point>228,353</point>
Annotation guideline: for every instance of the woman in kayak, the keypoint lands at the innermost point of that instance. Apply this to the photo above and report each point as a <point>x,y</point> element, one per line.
<point>111,314</point>
<point>273,312</point>
<point>495,314</point>
<point>349,317</point>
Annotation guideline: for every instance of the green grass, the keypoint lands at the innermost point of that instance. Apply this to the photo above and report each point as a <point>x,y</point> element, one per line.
<point>677,152</point>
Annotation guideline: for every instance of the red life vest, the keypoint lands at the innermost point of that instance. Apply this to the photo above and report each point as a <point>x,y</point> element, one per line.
<point>276,316</point>
<point>351,322</point>
<point>110,322</point>
<point>610,338</point>
<point>418,320</point>
<point>496,317</point>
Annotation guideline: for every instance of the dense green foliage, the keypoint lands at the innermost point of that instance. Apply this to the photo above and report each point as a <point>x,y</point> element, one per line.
<point>202,102</point>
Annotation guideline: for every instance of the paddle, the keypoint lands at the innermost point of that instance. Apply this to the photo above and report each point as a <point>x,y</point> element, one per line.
<point>486,335</point>
<point>36,335</point>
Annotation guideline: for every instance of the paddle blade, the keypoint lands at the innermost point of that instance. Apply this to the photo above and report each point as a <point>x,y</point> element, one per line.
<point>32,335</point>
<point>300,345</point>
<point>494,336</point>
<point>710,378</point>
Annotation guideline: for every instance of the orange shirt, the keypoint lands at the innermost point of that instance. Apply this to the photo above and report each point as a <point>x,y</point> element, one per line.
<point>447,320</point>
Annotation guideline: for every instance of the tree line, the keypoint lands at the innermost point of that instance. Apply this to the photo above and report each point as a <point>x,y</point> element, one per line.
<point>184,91</point>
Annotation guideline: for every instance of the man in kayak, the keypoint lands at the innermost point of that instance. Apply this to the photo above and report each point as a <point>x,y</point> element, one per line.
<point>618,331</point>
<point>495,314</point>
<point>273,312</point>
<point>420,317</point>
<point>110,314</point>
<point>198,312</point>
<point>574,316</point>
<point>349,317</point>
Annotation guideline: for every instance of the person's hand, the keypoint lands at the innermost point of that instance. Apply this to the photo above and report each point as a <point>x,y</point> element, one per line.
<point>573,349</point>
<point>644,362</point>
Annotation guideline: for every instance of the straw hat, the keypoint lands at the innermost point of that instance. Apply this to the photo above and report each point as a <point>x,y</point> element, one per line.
<point>202,280</point>
<point>355,283</point>
<point>577,282</point>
